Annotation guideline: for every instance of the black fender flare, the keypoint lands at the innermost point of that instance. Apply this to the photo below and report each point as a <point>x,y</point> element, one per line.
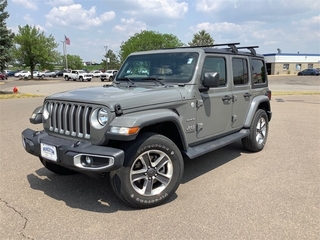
<point>146,118</point>
<point>256,102</point>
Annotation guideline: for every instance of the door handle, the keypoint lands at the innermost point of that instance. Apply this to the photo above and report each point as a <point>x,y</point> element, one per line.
<point>247,95</point>
<point>226,98</point>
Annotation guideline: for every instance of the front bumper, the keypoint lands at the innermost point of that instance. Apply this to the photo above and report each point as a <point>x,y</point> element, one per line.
<point>80,156</point>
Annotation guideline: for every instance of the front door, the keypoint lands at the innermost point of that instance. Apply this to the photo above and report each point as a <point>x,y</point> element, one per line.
<point>214,107</point>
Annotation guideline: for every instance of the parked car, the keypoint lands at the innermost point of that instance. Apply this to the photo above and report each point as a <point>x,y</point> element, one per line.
<point>3,76</point>
<point>23,74</point>
<point>96,73</point>
<point>47,73</point>
<point>108,75</point>
<point>11,73</point>
<point>309,72</point>
<point>59,73</point>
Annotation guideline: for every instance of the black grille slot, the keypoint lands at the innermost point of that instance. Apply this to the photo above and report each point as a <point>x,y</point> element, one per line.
<point>69,119</point>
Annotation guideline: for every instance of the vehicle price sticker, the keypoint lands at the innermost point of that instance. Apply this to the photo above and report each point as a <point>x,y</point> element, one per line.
<point>49,152</point>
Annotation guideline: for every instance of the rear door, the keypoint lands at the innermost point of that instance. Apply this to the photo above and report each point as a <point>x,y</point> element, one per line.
<point>241,90</point>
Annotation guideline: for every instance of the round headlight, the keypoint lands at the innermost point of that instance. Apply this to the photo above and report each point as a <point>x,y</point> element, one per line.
<point>103,116</point>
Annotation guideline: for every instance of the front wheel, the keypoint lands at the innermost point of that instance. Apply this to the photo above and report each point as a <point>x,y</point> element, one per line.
<point>151,173</point>
<point>258,132</point>
<point>110,79</point>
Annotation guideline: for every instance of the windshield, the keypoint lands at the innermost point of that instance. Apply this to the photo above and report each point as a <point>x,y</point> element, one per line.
<point>167,67</point>
<point>81,71</point>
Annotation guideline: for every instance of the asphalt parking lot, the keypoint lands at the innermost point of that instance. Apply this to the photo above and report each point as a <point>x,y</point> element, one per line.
<point>227,194</point>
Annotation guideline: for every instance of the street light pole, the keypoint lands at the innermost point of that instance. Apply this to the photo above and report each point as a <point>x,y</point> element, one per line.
<point>106,48</point>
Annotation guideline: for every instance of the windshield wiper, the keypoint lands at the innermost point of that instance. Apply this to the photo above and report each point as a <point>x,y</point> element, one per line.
<point>158,80</point>
<point>125,79</point>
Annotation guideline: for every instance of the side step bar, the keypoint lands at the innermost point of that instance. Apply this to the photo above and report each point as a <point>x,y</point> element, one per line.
<point>196,151</point>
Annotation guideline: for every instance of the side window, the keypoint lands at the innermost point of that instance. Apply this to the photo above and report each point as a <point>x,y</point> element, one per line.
<point>240,71</point>
<point>258,71</point>
<point>216,64</point>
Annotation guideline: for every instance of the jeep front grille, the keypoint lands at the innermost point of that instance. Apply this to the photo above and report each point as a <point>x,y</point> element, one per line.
<point>69,119</point>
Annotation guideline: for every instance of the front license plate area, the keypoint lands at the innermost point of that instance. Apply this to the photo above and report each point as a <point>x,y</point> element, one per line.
<point>49,152</point>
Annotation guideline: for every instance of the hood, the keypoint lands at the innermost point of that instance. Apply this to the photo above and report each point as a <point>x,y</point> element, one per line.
<point>127,97</point>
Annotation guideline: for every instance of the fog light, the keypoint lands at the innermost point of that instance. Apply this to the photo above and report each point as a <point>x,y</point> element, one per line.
<point>89,160</point>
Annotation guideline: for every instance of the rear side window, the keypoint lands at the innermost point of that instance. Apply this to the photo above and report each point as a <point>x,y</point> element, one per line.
<point>258,71</point>
<point>216,64</point>
<point>240,71</point>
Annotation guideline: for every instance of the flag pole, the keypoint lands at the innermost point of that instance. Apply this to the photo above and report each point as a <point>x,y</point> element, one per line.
<point>64,53</point>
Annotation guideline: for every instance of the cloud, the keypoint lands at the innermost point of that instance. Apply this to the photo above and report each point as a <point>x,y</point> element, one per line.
<point>28,18</point>
<point>27,4</point>
<point>245,10</point>
<point>60,2</point>
<point>140,9</point>
<point>129,27</point>
<point>307,26</point>
<point>76,16</point>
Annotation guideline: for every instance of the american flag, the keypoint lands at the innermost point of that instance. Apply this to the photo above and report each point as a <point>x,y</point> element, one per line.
<point>67,40</point>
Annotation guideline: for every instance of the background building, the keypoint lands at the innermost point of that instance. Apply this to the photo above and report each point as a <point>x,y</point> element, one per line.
<point>290,63</point>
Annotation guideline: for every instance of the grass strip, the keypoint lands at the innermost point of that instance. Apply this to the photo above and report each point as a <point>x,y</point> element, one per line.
<point>9,95</point>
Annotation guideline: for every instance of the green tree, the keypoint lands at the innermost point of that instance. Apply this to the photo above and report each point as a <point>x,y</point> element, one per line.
<point>202,38</point>
<point>74,62</point>
<point>6,37</point>
<point>33,48</point>
<point>148,40</point>
<point>113,62</point>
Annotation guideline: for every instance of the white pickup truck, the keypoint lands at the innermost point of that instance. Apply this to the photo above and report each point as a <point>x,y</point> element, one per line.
<point>75,75</point>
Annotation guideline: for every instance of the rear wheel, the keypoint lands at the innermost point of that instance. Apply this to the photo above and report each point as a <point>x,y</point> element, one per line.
<point>66,78</point>
<point>258,132</point>
<point>151,173</point>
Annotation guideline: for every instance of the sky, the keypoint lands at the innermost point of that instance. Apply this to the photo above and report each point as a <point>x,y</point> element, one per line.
<point>96,25</point>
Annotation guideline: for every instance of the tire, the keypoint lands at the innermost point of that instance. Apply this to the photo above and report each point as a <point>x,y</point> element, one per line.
<point>56,168</point>
<point>81,79</point>
<point>102,80</point>
<point>89,80</point>
<point>66,78</point>
<point>259,128</point>
<point>110,79</point>
<point>155,181</point>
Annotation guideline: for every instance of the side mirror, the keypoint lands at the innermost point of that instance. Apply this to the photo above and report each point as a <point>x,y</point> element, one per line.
<point>211,79</point>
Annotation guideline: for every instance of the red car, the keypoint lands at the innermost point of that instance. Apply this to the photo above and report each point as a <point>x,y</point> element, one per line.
<point>3,76</point>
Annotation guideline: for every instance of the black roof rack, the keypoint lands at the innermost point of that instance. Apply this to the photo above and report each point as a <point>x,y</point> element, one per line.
<point>232,47</point>
<point>251,49</point>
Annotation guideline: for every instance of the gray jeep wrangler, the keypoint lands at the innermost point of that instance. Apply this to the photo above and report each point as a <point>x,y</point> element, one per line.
<point>163,106</point>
